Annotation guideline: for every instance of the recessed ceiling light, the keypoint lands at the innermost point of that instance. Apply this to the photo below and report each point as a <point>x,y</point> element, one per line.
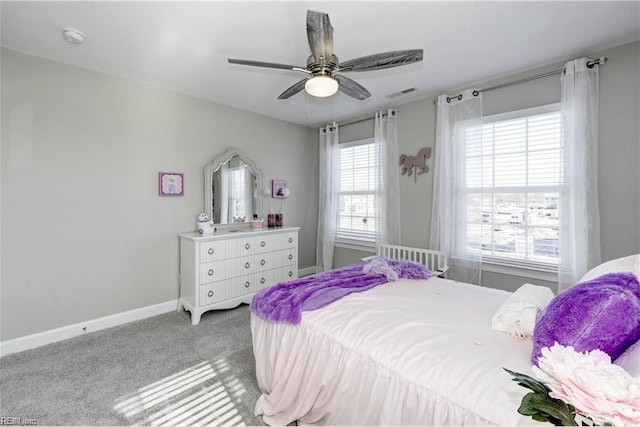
<point>73,36</point>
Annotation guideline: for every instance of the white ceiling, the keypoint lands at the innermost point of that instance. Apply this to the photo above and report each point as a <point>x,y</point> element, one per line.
<point>184,46</point>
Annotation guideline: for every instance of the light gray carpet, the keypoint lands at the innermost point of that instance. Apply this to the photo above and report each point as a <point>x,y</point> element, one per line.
<point>157,371</point>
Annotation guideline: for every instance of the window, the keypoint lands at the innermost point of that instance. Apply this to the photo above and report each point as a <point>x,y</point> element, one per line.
<point>238,183</point>
<point>513,176</point>
<point>357,220</point>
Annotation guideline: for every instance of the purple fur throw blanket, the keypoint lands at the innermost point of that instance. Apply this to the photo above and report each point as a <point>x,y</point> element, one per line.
<point>285,302</point>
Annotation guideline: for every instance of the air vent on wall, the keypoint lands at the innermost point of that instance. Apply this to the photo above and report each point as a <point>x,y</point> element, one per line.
<point>402,92</point>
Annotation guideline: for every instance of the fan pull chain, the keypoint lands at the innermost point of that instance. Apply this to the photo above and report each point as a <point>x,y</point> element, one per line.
<point>334,110</point>
<point>307,100</point>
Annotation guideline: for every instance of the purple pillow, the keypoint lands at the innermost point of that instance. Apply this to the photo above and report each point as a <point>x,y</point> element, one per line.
<point>603,313</point>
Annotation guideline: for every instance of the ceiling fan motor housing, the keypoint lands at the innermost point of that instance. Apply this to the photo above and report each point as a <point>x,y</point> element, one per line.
<point>322,66</point>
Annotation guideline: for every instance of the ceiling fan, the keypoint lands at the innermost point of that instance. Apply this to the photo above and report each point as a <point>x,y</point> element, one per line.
<point>324,70</point>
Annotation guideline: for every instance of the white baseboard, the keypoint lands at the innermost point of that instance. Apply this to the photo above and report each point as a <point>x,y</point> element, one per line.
<point>54,335</point>
<point>307,271</point>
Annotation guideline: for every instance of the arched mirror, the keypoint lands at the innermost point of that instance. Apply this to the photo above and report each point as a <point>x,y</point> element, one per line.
<point>232,184</point>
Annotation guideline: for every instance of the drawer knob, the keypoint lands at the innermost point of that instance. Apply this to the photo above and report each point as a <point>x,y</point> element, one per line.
<point>210,251</point>
<point>247,246</point>
<point>210,272</point>
<point>290,239</point>
<point>262,262</point>
<point>262,280</point>
<point>210,293</point>
<point>262,244</point>
<point>290,256</point>
<point>247,284</point>
<point>290,273</point>
<point>247,265</point>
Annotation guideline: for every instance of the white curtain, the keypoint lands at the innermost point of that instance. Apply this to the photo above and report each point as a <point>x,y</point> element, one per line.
<point>224,194</point>
<point>450,232</point>
<point>387,203</point>
<point>580,218</point>
<point>329,182</point>
<point>246,192</point>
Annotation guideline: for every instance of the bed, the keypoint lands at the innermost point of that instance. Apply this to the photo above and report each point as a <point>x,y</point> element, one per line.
<point>408,352</point>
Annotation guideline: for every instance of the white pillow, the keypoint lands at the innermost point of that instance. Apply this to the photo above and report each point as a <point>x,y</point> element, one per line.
<point>630,263</point>
<point>517,315</point>
<point>630,359</point>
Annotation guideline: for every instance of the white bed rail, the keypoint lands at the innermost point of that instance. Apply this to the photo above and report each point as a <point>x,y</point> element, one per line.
<point>435,261</point>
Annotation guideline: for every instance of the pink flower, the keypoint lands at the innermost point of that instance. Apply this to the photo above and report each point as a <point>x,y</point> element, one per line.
<point>591,383</point>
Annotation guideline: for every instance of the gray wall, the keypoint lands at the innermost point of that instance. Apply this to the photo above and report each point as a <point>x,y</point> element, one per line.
<point>618,163</point>
<point>84,233</point>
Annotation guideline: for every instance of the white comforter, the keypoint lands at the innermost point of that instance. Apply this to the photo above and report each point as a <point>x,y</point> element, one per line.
<point>405,353</point>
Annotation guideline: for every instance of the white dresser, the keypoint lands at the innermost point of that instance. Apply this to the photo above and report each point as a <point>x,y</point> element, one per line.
<point>228,268</point>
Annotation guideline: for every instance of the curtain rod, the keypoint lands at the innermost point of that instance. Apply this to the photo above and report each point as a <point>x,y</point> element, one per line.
<point>394,112</point>
<point>361,120</point>
<point>357,121</point>
<point>590,64</point>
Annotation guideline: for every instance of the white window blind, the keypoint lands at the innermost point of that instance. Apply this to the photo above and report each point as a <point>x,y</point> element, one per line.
<point>513,177</point>
<point>237,194</point>
<point>357,220</point>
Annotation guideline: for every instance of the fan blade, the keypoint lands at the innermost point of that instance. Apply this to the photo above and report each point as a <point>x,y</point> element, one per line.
<point>293,90</point>
<point>320,35</point>
<point>351,88</point>
<point>263,64</point>
<point>383,60</point>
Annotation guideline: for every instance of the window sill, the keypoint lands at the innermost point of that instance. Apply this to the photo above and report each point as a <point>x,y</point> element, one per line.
<point>357,245</point>
<point>495,266</point>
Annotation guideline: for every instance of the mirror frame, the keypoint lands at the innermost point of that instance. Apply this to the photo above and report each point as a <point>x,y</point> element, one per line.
<point>215,165</point>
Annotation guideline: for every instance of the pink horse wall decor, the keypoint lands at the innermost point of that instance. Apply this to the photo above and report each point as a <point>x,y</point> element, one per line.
<point>417,162</point>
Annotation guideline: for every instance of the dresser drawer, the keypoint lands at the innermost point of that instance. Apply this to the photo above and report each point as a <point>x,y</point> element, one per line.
<point>286,257</point>
<point>275,242</point>
<point>225,249</point>
<point>264,279</point>
<point>214,292</point>
<point>271,260</point>
<point>289,273</point>
<point>210,251</point>
<point>226,289</point>
<point>226,269</point>
<point>245,285</point>
<point>268,278</point>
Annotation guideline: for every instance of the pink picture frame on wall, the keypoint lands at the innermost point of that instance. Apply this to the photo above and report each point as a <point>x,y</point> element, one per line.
<point>277,188</point>
<point>170,184</point>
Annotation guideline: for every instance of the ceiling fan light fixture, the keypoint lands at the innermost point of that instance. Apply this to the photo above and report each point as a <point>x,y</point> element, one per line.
<point>321,86</point>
